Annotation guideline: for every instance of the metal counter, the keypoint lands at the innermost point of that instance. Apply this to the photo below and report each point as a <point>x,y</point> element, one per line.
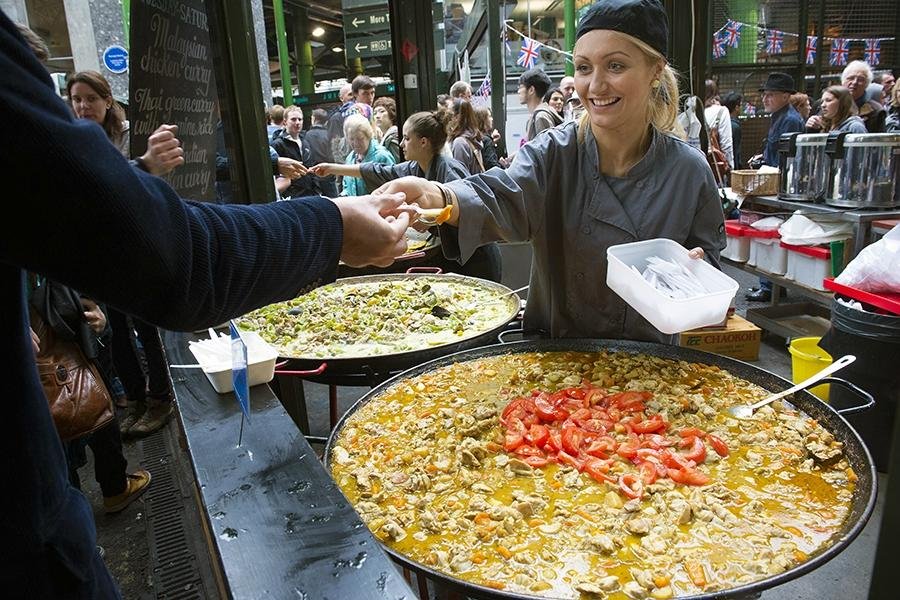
<point>275,522</point>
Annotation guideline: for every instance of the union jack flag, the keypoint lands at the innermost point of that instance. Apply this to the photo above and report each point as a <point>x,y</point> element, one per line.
<point>484,90</point>
<point>811,50</point>
<point>528,53</point>
<point>733,33</point>
<point>774,41</point>
<point>840,48</point>
<point>718,50</point>
<point>873,51</point>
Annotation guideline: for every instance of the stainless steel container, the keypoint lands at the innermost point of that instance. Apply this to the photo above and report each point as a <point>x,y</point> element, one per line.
<point>803,165</point>
<point>863,170</point>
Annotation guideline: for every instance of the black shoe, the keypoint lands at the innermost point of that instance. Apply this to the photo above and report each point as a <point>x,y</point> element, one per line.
<point>758,295</point>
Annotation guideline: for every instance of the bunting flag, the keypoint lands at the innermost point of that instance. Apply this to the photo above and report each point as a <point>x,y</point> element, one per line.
<point>733,33</point>
<point>774,41</point>
<point>484,90</point>
<point>839,51</point>
<point>528,53</point>
<point>718,50</point>
<point>873,51</point>
<point>811,50</point>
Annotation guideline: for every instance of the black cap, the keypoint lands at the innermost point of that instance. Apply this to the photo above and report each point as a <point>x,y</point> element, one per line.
<point>779,82</point>
<point>644,19</point>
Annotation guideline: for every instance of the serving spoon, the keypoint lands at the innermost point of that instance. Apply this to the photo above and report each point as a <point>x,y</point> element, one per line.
<point>745,411</point>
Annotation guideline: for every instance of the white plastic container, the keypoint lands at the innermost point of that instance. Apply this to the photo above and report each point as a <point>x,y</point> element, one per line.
<point>737,242</point>
<point>214,357</point>
<point>766,252</point>
<point>668,314</point>
<point>808,265</point>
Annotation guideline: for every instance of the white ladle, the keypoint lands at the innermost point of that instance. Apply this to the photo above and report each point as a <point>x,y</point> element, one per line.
<point>745,411</point>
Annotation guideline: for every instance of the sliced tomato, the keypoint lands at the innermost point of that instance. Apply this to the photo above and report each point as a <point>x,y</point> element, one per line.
<point>526,450</point>
<point>554,444</point>
<point>718,444</point>
<point>675,460</point>
<point>598,470</point>
<point>595,425</point>
<point>576,392</point>
<point>567,459</point>
<point>624,400</point>
<point>594,396</point>
<point>602,447</point>
<point>644,454</point>
<point>691,432</point>
<point>631,486</point>
<point>697,451</point>
<point>536,461</point>
<point>514,404</point>
<point>628,449</point>
<point>545,408</point>
<point>688,476</point>
<point>538,435</point>
<point>581,415</point>
<point>572,437</point>
<point>513,440</point>
<point>648,472</point>
<point>652,425</point>
<point>657,441</point>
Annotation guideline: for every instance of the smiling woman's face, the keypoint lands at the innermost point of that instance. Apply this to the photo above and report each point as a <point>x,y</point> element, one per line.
<point>613,77</point>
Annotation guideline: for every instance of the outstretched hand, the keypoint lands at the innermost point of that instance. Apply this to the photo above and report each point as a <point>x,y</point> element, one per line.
<point>417,191</point>
<point>322,170</point>
<point>374,228</point>
<point>290,168</point>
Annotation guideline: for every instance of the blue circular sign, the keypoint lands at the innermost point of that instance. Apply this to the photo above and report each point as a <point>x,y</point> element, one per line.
<point>115,58</point>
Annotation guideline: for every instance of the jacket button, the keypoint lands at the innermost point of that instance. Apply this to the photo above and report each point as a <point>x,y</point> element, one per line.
<point>579,276</point>
<point>586,230</point>
<point>640,184</point>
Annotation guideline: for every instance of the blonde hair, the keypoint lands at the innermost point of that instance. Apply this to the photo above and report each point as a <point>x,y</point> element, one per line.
<point>358,123</point>
<point>662,108</point>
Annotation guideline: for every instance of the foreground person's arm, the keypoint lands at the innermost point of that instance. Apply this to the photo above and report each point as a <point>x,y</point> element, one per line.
<point>82,216</point>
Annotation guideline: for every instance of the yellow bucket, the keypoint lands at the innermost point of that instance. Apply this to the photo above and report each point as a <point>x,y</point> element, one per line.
<point>807,359</point>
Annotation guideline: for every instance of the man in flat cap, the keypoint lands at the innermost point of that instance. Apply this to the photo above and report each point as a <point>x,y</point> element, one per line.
<point>776,97</point>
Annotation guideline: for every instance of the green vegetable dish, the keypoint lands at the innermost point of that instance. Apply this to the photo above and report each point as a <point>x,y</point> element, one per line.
<point>364,317</point>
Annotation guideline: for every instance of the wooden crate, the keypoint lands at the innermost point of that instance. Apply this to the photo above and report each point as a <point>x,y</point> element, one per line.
<point>748,182</point>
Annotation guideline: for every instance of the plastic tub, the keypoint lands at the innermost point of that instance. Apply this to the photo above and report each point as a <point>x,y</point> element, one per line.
<point>808,265</point>
<point>214,357</point>
<point>765,251</point>
<point>737,246</point>
<point>807,359</point>
<point>668,314</point>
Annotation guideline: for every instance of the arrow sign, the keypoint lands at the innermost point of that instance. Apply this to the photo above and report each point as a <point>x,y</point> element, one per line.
<point>376,19</point>
<point>373,46</point>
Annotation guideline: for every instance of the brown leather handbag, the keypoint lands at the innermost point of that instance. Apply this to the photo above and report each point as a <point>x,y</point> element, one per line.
<point>79,401</point>
<point>718,162</point>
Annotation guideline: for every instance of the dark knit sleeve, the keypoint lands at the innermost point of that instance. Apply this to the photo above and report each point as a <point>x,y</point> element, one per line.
<point>79,214</point>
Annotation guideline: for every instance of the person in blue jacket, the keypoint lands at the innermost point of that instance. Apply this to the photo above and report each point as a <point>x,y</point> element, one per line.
<point>785,119</point>
<point>177,264</point>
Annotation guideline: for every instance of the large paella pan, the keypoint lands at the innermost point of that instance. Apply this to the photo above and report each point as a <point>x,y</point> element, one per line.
<point>385,322</point>
<point>600,469</point>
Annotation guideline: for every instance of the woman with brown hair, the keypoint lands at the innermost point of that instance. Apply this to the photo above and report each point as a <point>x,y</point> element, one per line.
<point>465,137</point>
<point>91,98</point>
<point>837,113</point>
<point>385,113</point>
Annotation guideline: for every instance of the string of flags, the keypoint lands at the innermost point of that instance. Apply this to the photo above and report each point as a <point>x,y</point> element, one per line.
<point>729,36</point>
<point>529,51</point>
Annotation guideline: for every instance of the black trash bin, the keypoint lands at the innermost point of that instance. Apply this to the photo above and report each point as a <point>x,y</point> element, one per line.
<point>875,341</point>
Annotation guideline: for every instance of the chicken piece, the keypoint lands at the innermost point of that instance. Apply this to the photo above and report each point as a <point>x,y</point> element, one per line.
<point>468,459</point>
<point>602,542</point>
<point>520,467</point>
<point>340,456</point>
<point>634,590</point>
<point>638,526</point>
<point>393,530</point>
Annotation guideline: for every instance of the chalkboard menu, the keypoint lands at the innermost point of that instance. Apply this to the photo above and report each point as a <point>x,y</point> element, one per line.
<point>172,81</point>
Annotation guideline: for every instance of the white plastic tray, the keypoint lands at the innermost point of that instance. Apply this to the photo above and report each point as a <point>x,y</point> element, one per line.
<point>667,314</point>
<point>214,357</point>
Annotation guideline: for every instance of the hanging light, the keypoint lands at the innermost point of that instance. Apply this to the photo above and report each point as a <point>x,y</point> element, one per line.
<point>318,32</point>
<point>337,49</point>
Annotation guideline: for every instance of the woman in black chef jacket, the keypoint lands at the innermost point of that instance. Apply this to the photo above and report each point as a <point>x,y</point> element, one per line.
<point>621,174</point>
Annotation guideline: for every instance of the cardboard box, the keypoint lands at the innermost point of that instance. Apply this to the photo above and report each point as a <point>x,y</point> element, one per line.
<point>738,339</point>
